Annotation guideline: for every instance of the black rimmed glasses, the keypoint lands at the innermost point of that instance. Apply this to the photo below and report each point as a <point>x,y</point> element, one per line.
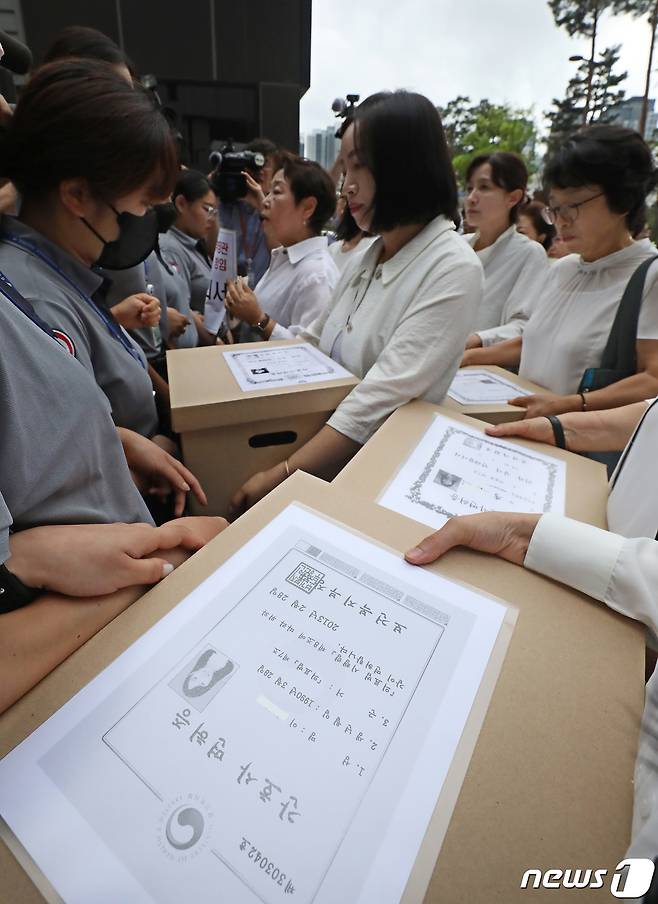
<point>568,212</point>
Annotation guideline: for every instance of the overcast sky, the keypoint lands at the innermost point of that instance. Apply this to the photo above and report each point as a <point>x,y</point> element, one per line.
<point>504,50</point>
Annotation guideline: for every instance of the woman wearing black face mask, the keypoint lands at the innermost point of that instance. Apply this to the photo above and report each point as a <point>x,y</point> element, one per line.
<point>89,155</point>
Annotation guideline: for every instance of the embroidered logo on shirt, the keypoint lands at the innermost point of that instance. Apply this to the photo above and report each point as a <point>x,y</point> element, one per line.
<point>65,341</point>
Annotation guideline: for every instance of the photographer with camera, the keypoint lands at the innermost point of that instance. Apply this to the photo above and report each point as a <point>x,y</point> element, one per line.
<point>242,180</point>
<point>301,277</point>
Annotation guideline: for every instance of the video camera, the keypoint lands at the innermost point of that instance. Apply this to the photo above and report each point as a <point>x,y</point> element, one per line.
<point>227,178</point>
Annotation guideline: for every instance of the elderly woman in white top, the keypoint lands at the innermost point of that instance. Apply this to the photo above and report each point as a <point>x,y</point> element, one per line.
<point>514,266</point>
<point>399,318</point>
<point>300,279</point>
<point>597,182</point>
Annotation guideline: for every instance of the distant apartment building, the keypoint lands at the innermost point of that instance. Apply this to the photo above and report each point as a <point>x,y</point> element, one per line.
<point>322,146</point>
<point>628,112</point>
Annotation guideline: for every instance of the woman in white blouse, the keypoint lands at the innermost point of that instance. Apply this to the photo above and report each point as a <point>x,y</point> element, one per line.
<point>399,318</point>
<point>598,183</point>
<point>297,286</point>
<point>514,266</point>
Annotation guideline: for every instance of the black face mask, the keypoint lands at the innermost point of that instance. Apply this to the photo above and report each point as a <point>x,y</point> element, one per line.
<point>137,238</point>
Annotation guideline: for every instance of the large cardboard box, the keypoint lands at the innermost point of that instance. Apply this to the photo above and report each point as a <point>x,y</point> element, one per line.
<point>228,434</point>
<point>376,464</point>
<point>549,784</point>
<point>494,413</point>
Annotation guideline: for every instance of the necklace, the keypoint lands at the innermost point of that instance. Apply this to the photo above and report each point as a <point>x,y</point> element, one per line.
<point>375,274</point>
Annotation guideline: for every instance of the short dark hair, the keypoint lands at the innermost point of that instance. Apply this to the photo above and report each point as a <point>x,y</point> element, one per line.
<point>617,159</point>
<point>82,42</point>
<point>400,138</point>
<point>307,179</point>
<point>546,231</point>
<point>192,185</point>
<point>79,119</point>
<point>268,149</point>
<point>508,171</point>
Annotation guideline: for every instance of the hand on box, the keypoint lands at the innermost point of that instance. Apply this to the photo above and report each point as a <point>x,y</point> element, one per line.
<point>536,428</point>
<point>503,534</point>
<point>255,488</point>
<point>157,472</point>
<point>543,405</point>
<point>96,559</point>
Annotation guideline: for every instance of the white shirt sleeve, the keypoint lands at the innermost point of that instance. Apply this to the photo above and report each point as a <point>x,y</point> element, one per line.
<point>620,572</point>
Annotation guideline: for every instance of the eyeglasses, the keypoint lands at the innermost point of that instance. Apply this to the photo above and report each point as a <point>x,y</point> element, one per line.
<point>210,210</point>
<point>568,212</point>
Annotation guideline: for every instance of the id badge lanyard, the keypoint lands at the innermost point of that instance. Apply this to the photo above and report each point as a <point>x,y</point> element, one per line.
<point>111,325</point>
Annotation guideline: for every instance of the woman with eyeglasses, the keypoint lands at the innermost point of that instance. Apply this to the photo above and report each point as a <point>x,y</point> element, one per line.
<point>183,246</point>
<point>597,184</point>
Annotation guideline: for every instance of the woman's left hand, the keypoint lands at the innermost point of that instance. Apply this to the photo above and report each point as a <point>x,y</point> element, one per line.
<point>242,303</point>
<point>158,473</point>
<point>255,488</point>
<point>543,405</point>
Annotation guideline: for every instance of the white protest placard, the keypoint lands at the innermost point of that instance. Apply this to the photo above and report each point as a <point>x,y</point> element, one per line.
<point>281,735</point>
<point>456,470</point>
<point>478,387</point>
<point>224,267</point>
<point>285,365</point>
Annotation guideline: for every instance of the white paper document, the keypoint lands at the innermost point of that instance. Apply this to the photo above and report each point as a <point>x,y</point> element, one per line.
<point>479,387</point>
<point>282,735</point>
<point>456,470</point>
<point>284,365</point>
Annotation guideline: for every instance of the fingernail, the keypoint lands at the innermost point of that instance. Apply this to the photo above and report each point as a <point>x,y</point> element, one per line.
<point>415,553</point>
<point>186,487</point>
<point>167,568</point>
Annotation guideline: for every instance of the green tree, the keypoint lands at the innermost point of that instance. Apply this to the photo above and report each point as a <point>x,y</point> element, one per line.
<point>582,17</point>
<point>484,127</point>
<point>590,97</point>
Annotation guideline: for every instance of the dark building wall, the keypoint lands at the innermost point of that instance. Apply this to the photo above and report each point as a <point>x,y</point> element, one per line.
<point>228,69</point>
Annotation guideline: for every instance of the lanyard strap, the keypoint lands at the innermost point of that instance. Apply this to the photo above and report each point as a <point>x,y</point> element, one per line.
<point>248,246</point>
<point>111,325</point>
<point>12,295</point>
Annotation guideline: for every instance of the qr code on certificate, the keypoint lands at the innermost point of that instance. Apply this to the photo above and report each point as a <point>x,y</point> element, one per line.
<point>305,578</point>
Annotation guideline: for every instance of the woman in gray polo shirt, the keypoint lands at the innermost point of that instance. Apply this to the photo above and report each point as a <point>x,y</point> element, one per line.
<point>89,155</point>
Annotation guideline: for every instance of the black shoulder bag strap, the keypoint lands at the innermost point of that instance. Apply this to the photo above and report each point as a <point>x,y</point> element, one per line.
<point>619,358</point>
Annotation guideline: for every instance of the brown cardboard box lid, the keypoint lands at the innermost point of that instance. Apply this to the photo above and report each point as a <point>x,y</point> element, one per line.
<point>204,393</point>
<point>498,412</point>
<point>376,464</point>
<point>550,779</point>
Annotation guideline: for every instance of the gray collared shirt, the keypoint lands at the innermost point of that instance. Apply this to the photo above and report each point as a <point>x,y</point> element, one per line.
<point>183,254</point>
<point>61,460</point>
<point>122,378</point>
